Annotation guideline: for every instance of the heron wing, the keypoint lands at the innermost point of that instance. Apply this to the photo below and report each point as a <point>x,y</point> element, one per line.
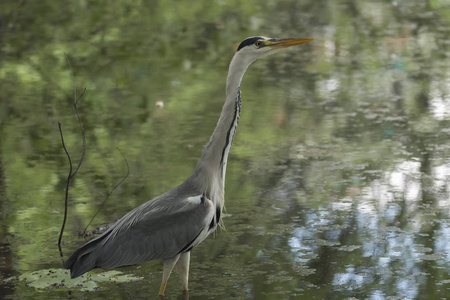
<point>161,228</point>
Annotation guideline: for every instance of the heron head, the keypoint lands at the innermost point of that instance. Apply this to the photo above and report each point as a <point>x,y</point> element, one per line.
<point>258,46</point>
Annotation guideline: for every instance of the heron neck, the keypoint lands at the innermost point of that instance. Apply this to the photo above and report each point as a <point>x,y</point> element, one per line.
<point>211,167</point>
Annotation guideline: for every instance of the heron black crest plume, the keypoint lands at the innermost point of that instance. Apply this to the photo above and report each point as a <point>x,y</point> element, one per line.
<point>171,225</point>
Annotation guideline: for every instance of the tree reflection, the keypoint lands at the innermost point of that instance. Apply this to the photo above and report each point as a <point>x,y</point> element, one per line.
<point>338,183</point>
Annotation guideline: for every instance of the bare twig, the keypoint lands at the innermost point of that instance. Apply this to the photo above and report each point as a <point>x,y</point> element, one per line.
<point>112,191</point>
<point>71,174</point>
<point>73,78</point>
<point>83,149</point>
<point>69,177</point>
<point>75,102</point>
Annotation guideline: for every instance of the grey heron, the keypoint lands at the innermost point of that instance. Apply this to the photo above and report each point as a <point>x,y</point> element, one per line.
<point>169,226</point>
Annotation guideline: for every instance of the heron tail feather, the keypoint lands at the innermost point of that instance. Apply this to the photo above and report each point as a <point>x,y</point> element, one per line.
<point>84,259</point>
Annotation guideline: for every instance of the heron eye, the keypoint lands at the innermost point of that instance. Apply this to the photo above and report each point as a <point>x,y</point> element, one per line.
<point>259,43</point>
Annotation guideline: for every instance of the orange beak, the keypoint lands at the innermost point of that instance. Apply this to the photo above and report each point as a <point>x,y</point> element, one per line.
<point>283,43</point>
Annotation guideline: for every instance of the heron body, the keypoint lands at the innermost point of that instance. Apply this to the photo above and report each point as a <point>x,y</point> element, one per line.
<point>169,226</point>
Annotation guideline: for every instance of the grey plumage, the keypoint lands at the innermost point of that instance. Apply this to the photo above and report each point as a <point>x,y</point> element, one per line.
<point>182,215</point>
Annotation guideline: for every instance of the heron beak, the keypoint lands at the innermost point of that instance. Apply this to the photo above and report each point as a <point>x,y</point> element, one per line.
<point>283,43</point>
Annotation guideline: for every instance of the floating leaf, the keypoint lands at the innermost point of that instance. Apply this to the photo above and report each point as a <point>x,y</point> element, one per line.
<point>49,279</point>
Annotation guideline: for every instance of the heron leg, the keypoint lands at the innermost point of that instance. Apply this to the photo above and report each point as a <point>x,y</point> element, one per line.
<point>168,265</point>
<point>183,269</point>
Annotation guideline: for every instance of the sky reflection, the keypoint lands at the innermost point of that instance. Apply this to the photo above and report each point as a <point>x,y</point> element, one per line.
<point>391,225</point>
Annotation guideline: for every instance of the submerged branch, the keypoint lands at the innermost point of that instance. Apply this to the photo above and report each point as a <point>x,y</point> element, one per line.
<point>69,177</point>
<point>83,151</point>
<point>112,191</point>
<point>73,172</point>
<point>75,107</point>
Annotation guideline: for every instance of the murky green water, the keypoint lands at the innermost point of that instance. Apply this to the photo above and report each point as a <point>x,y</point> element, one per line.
<point>338,180</point>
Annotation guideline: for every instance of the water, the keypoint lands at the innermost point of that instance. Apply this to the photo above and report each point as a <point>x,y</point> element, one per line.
<point>338,178</point>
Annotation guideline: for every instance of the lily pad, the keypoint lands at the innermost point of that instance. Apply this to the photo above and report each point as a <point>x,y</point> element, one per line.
<point>49,279</point>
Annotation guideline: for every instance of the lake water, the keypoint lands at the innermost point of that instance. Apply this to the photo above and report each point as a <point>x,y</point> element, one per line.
<point>338,179</point>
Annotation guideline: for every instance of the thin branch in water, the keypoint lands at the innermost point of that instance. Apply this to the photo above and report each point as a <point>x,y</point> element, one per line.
<point>75,102</point>
<point>83,148</point>
<point>69,177</point>
<point>112,191</point>
<point>73,78</point>
<point>81,96</point>
<point>71,173</point>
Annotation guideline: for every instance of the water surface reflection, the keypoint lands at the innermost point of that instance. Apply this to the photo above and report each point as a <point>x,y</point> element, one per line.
<point>338,179</point>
